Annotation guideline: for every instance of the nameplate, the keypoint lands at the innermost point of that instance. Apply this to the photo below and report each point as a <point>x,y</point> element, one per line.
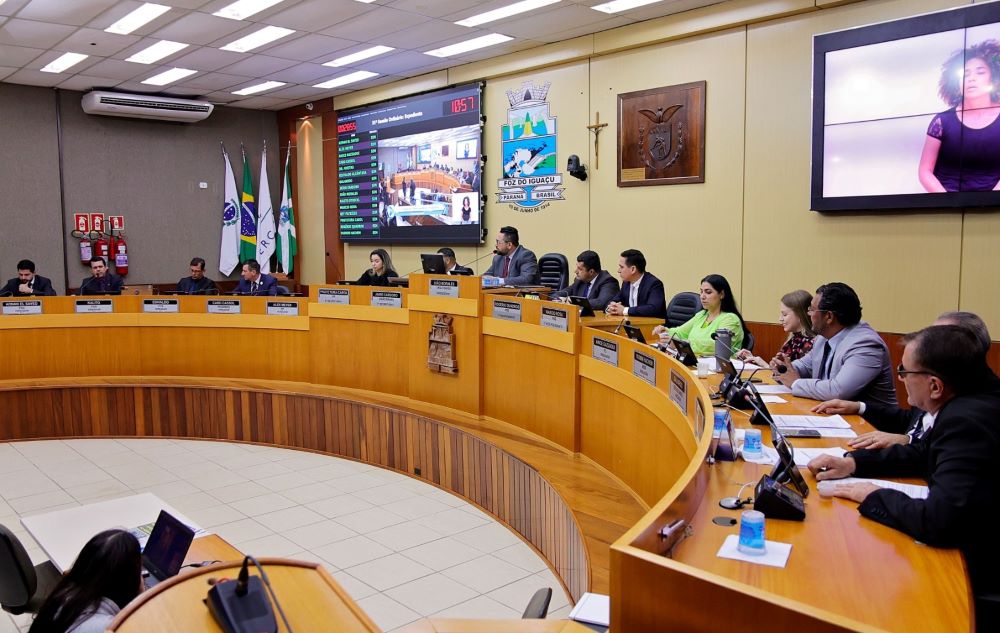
<point>387,299</point>
<point>22,307</point>
<point>444,288</point>
<point>507,310</point>
<point>555,318</point>
<point>644,367</point>
<point>94,306</point>
<point>679,391</point>
<point>335,296</point>
<point>224,306</point>
<point>605,350</point>
<point>283,308</point>
<point>160,305</point>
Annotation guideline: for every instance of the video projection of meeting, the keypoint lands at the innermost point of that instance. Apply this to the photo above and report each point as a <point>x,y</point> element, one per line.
<point>410,171</point>
<point>906,114</point>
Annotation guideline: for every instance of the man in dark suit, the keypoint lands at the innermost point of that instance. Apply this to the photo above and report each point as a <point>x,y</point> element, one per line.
<point>946,375</point>
<point>641,293</point>
<point>102,281</point>
<point>27,283</point>
<point>253,282</point>
<point>597,286</point>
<point>197,283</point>
<point>513,265</point>
<point>451,266</point>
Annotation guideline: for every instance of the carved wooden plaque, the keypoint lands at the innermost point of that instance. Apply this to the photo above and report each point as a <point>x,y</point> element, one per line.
<point>441,345</point>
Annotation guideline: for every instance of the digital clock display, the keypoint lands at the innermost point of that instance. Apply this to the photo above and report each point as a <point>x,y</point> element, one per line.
<point>460,106</point>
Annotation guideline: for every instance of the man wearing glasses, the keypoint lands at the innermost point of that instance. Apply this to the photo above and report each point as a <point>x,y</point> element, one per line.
<point>849,360</point>
<point>513,264</point>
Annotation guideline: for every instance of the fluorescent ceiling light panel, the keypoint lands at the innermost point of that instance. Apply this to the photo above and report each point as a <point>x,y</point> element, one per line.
<point>257,39</point>
<point>156,52</point>
<point>267,85</point>
<point>622,5</point>
<point>365,1</point>
<point>245,8</point>
<point>169,76</point>
<point>63,62</point>
<point>346,79</point>
<point>140,17</point>
<point>505,12</point>
<point>356,57</point>
<point>469,45</point>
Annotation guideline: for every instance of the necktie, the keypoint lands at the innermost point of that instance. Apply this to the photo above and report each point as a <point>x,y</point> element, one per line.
<point>823,367</point>
<point>253,288</point>
<point>633,295</point>
<point>506,267</point>
<point>586,290</point>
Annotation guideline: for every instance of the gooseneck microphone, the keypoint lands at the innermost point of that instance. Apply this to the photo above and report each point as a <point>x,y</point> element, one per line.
<point>624,321</point>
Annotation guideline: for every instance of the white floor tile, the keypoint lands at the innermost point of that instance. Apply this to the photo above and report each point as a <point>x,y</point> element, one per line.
<point>389,571</point>
<point>352,551</point>
<point>386,612</point>
<point>312,492</point>
<point>241,463</point>
<point>9,464</point>
<point>273,545</point>
<point>381,495</point>
<point>217,515</point>
<point>36,503</point>
<point>239,492</point>
<point>561,613</point>
<point>451,521</point>
<point>523,556</point>
<point>416,507</point>
<point>339,506</point>
<point>318,534</point>
<point>102,489</point>
<point>430,594</point>
<point>168,491</point>
<point>517,594</point>
<point>335,470</point>
<point>403,536</point>
<point>447,498</point>
<point>264,504</point>
<point>285,482</point>
<point>442,553</point>
<point>194,501</point>
<point>242,530</point>
<point>352,585</point>
<point>289,519</point>
<point>360,481</point>
<point>261,470</point>
<point>489,537</point>
<point>368,520</point>
<point>485,573</point>
<point>23,483</point>
<point>218,480</point>
<point>479,608</point>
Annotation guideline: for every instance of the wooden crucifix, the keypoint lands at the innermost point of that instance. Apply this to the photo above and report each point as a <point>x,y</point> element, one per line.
<point>596,128</point>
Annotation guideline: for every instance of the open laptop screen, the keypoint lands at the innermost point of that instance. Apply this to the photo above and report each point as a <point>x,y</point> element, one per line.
<point>167,546</point>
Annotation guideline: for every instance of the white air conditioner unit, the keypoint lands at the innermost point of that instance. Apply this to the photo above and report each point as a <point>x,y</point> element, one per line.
<point>146,107</point>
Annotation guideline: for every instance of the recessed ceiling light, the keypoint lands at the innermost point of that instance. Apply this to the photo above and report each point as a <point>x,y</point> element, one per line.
<point>267,85</point>
<point>346,79</point>
<point>141,16</point>
<point>505,12</point>
<point>63,62</point>
<point>169,76</point>
<point>156,52</point>
<point>257,39</point>
<point>365,1</point>
<point>469,45</point>
<point>622,5</point>
<point>245,8</point>
<point>356,57</point>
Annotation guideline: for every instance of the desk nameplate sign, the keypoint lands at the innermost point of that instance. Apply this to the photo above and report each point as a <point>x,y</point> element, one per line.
<point>387,299</point>
<point>336,296</point>
<point>644,367</point>
<point>22,307</point>
<point>224,306</point>
<point>160,305</point>
<point>283,308</point>
<point>443,288</point>
<point>555,318</point>
<point>507,310</point>
<point>679,391</point>
<point>94,306</point>
<point>606,350</point>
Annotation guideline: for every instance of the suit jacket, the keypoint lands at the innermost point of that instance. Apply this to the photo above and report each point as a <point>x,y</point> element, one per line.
<point>958,460</point>
<point>108,284</point>
<point>42,286</point>
<point>860,369</point>
<point>604,289</point>
<point>652,302</point>
<point>266,285</point>
<point>190,286</point>
<point>523,269</point>
<point>893,419</point>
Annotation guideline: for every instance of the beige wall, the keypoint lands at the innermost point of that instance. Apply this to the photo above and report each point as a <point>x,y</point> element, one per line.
<point>309,214</point>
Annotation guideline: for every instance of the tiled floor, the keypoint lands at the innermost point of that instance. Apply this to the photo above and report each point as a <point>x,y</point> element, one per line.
<point>402,548</point>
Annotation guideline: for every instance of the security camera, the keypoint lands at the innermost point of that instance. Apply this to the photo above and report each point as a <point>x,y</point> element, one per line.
<point>309,107</point>
<point>575,169</point>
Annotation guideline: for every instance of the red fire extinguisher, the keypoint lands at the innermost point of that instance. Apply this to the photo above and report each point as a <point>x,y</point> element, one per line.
<point>120,250</point>
<point>86,250</point>
<point>101,247</point>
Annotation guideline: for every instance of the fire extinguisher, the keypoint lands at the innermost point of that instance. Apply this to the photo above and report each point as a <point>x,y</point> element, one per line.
<point>101,247</point>
<point>86,250</point>
<point>120,250</point>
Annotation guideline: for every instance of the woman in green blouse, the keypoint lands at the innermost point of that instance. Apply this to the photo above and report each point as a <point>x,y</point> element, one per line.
<point>719,311</point>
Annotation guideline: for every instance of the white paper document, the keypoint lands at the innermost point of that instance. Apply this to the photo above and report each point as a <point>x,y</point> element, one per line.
<point>914,491</point>
<point>775,556</point>
<point>773,389</point>
<point>802,455</point>
<point>593,608</point>
<point>810,422</point>
<point>773,399</point>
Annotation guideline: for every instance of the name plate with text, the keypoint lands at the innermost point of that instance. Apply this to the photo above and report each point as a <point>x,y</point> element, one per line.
<point>224,306</point>
<point>443,288</point>
<point>94,306</point>
<point>679,391</point>
<point>387,299</point>
<point>555,318</point>
<point>283,308</point>
<point>22,307</point>
<point>605,350</point>
<point>644,367</point>
<point>160,305</point>
<point>336,296</point>
<point>507,310</point>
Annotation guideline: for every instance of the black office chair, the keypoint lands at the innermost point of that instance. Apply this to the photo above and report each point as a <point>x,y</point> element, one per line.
<point>282,291</point>
<point>23,587</point>
<point>748,341</point>
<point>538,606</point>
<point>682,307</point>
<point>553,271</point>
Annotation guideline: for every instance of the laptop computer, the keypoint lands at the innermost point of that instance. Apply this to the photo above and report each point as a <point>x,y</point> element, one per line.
<point>433,263</point>
<point>166,549</point>
<point>586,310</point>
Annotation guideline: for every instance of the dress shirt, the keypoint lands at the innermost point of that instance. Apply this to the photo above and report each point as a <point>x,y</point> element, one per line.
<point>633,294</point>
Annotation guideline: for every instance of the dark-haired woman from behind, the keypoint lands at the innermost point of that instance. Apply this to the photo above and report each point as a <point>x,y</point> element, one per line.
<point>106,576</point>
<point>719,311</point>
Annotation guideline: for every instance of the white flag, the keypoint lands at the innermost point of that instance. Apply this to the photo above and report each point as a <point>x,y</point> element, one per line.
<point>265,219</point>
<point>229,251</point>
<point>287,243</point>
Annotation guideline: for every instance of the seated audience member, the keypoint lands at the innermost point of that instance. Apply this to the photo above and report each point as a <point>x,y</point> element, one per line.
<point>848,360</point>
<point>381,270</point>
<point>896,425</point>
<point>641,293</point>
<point>451,266</point>
<point>794,320</point>
<point>105,577</point>
<point>945,374</point>
<point>718,311</point>
<point>597,286</point>
<point>254,282</point>
<point>102,281</point>
<point>513,265</point>
<point>27,283</point>
<point>197,283</point>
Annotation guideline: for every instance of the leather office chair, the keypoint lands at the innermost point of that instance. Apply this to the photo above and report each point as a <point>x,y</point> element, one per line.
<point>748,340</point>
<point>282,291</point>
<point>682,307</point>
<point>538,606</point>
<point>23,587</point>
<point>553,271</point>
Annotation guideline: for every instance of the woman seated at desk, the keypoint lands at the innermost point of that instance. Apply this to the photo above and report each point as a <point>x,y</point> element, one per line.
<point>380,272</point>
<point>796,322</point>
<point>720,312</point>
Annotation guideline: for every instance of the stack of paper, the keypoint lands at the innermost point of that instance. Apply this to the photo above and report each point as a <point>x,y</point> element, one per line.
<point>593,608</point>
<point>826,425</point>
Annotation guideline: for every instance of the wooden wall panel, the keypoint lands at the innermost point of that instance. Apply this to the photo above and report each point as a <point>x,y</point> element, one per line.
<point>359,354</point>
<point>456,391</point>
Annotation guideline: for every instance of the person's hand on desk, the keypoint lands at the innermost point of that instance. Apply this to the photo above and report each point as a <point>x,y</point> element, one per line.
<point>615,309</point>
<point>878,439</point>
<point>854,492</point>
<point>789,375</point>
<point>825,467</point>
<point>832,407</point>
<point>747,356</point>
<point>663,333</point>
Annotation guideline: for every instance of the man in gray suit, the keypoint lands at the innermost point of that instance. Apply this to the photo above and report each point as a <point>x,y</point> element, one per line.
<point>592,283</point>
<point>849,360</point>
<point>513,265</point>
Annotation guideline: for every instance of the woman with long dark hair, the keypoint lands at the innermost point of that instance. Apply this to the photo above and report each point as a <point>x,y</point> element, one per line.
<point>106,576</point>
<point>718,311</point>
<point>381,270</point>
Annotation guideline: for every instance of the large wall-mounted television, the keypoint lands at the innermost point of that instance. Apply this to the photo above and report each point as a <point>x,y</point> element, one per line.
<point>906,114</point>
<point>405,175</point>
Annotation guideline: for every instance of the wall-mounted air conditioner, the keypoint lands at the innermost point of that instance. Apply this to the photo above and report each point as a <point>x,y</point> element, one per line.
<point>146,107</point>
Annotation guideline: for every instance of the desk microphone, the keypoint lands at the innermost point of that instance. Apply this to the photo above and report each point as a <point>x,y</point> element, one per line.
<point>242,606</point>
<point>624,321</point>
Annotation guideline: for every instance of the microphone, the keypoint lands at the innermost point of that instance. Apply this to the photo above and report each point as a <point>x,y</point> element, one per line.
<point>242,607</point>
<point>86,283</point>
<point>624,321</point>
<point>243,580</point>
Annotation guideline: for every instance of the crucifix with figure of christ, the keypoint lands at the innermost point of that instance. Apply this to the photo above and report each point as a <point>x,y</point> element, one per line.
<point>596,128</point>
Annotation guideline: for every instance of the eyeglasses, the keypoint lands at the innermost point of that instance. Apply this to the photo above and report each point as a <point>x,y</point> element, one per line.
<point>811,311</point>
<point>903,372</point>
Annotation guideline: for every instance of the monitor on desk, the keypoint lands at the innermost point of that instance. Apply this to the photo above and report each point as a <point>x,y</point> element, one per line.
<point>432,263</point>
<point>586,310</point>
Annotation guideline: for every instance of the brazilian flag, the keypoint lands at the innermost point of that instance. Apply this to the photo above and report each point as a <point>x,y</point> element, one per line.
<point>248,216</point>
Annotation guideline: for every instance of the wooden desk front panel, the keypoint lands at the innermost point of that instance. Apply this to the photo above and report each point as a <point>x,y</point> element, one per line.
<point>359,354</point>
<point>69,351</point>
<point>459,391</point>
